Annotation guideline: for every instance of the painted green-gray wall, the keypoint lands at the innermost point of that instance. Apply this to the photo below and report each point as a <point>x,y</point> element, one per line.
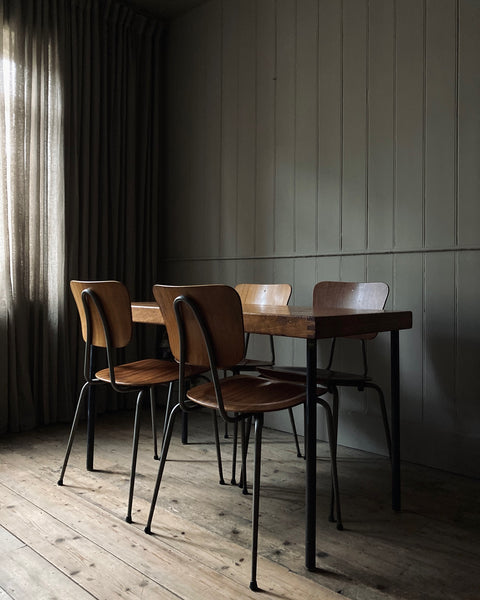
<point>340,139</point>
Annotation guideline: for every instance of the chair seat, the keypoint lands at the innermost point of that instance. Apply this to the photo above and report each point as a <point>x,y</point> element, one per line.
<point>323,376</point>
<point>147,372</point>
<point>242,393</point>
<point>252,364</point>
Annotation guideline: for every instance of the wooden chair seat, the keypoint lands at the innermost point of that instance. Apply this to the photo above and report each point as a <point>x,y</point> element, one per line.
<point>147,372</point>
<point>252,364</point>
<point>246,394</point>
<point>299,375</point>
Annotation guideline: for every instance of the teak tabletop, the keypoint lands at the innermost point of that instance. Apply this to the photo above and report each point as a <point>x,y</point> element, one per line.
<point>299,321</point>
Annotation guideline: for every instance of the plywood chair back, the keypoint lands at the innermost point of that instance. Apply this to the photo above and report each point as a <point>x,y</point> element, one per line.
<point>221,310</point>
<point>114,301</point>
<point>277,294</point>
<point>348,294</point>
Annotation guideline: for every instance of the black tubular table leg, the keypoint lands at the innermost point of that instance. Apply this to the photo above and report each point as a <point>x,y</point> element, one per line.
<point>90,417</point>
<point>395,419</point>
<point>311,456</point>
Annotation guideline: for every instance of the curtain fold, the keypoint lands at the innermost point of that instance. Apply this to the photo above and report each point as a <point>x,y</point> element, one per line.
<point>81,163</point>
<point>32,217</point>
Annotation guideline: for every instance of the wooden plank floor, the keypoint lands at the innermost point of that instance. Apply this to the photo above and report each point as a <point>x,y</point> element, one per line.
<point>72,542</point>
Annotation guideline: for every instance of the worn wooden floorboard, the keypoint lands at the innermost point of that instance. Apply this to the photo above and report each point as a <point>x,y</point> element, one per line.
<point>73,542</point>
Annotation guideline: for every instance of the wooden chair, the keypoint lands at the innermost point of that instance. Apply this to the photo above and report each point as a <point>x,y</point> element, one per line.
<point>342,294</point>
<point>205,327</point>
<point>106,319</point>
<point>276,294</point>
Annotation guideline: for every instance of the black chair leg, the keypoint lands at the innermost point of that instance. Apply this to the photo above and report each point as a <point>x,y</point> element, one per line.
<point>256,499</point>
<point>245,428</point>
<point>167,412</point>
<point>72,431</point>
<point>154,423</point>
<point>234,452</point>
<point>332,441</point>
<point>161,466</point>
<point>383,409</point>
<point>217,447</point>
<point>136,432</point>
<point>294,429</point>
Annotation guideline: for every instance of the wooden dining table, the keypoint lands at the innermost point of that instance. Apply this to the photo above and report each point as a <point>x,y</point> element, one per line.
<point>302,322</point>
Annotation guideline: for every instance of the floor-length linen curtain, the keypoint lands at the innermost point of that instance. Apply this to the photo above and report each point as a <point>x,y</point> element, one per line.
<point>32,215</point>
<point>80,185</point>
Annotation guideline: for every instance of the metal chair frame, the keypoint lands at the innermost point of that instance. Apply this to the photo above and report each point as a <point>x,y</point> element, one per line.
<point>91,380</point>
<point>181,304</point>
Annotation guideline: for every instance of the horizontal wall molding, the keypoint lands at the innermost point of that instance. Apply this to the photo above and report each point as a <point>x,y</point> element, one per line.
<point>322,255</point>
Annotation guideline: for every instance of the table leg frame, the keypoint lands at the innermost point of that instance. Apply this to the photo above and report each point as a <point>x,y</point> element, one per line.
<point>395,417</point>
<point>311,456</point>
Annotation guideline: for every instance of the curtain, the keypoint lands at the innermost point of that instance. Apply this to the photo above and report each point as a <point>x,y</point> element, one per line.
<point>32,215</point>
<point>113,156</point>
<point>81,142</point>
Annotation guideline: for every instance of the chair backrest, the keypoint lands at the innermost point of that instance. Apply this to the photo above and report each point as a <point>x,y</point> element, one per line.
<point>219,307</point>
<point>277,294</point>
<point>114,300</point>
<point>348,294</point>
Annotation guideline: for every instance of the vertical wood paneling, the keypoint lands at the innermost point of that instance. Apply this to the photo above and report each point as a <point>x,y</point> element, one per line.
<point>284,216</point>
<point>227,272</point>
<point>408,290</point>
<point>469,123</point>
<point>177,133</point>
<point>229,147</point>
<point>245,271</point>
<point>245,218</point>
<point>468,334</point>
<point>440,141</point>
<point>380,124</point>
<point>265,128</point>
<point>439,342</point>
<point>409,125</point>
<point>312,140</point>
<point>306,130</point>
<point>354,201</point>
<point>329,125</point>
<point>207,131</point>
<point>380,268</point>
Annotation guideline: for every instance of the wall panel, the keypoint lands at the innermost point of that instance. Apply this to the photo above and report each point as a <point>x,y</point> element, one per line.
<point>355,126</point>
<point>284,215</point>
<point>409,125</point>
<point>380,124</point>
<point>316,139</point>
<point>306,130</point>
<point>265,128</point>
<point>330,125</point>
<point>467,354</point>
<point>230,11</point>
<point>440,133</point>
<point>246,95</point>
<point>439,342</point>
<point>468,123</point>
